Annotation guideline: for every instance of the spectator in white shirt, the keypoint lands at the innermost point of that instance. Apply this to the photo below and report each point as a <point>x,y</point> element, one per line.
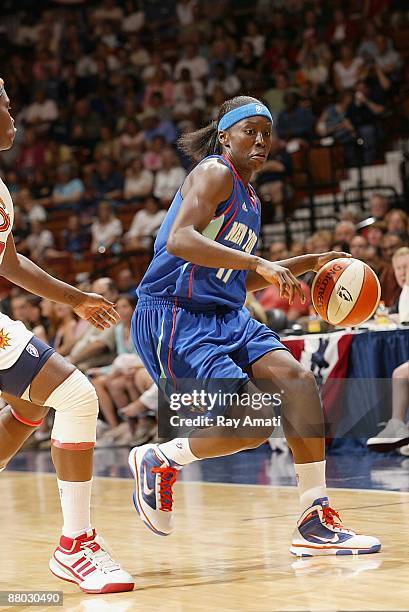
<point>169,178</point>
<point>185,12</point>
<point>145,225</point>
<point>138,55</point>
<point>39,240</point>
<point>229,83</point>
<point>41,113</point>
<point>134,19</point>
<point>197,64</point>
<point>138,180</point>
<point>388,59</point>
<point>190,106</point>
<point>106,229</point>
<point>33,211</point>
<point>347,68</point>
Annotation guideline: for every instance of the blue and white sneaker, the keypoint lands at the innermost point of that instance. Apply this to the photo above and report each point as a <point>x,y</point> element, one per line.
<point>154,477</point>
<point>320,531</point>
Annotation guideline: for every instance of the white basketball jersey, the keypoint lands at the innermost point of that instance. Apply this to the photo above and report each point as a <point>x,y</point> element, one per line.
<point>14,336</point>
<point>6,217</point>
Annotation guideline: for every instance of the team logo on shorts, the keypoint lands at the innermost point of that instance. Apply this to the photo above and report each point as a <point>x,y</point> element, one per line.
<point>4,339</point>
<point>30,348</point>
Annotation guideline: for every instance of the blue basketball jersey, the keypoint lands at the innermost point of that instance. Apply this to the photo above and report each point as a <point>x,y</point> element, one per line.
<point>236,224</point>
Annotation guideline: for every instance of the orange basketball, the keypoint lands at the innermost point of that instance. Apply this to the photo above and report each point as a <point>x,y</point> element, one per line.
<point>345,292</point>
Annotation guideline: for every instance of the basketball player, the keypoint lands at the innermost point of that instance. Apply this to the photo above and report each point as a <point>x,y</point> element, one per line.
<point>190,324</point>
<point>33,378</point>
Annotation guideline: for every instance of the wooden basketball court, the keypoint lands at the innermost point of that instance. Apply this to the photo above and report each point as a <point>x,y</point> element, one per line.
<point>229,550</point>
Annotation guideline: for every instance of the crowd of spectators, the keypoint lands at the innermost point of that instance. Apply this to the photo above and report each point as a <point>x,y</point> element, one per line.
<point>100,93</point>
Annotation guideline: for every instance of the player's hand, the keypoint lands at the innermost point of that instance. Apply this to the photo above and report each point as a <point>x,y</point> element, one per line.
<point>283,278</point>
<point>323,258</point>
<point>97,310</point>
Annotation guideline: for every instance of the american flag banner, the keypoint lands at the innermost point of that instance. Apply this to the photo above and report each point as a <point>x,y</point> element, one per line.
<point>326,355</point>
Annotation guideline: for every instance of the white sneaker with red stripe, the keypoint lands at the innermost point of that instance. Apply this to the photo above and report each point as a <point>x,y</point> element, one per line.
<point>85,561</point>
<point>320,531</point>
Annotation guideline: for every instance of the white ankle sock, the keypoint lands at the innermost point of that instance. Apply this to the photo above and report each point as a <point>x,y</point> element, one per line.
<point>178,450</point>
<point>311,482</point>
<point>75,500</point>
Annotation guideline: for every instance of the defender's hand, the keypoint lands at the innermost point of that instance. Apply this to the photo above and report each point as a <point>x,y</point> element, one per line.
<point>97,310</point>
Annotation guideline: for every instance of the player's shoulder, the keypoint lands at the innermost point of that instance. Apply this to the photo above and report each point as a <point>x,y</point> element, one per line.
<point>214,175</point>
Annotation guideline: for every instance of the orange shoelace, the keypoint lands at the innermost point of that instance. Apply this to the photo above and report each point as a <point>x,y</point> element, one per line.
<point>330,515</point>
<point>168,477</point>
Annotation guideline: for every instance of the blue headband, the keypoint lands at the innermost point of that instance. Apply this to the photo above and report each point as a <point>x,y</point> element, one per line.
<point>254,109</point>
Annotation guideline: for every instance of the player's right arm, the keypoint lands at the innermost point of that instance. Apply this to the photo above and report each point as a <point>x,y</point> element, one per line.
<point>206,187</point>
<point>26,274</point>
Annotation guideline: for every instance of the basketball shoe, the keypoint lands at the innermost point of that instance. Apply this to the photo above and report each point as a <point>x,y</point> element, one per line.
<point>320,531</point>
<point>394,435</point>
<point>85,561</point>
<point>154,477</point>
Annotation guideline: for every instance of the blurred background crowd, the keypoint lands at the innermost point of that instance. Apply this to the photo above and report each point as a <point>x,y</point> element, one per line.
<point>101,91</point>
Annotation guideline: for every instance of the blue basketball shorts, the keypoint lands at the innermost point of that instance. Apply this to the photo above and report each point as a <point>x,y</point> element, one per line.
<point>177,340</point>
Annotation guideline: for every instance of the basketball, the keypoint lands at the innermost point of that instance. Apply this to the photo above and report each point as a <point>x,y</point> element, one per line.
<point>345,292</point>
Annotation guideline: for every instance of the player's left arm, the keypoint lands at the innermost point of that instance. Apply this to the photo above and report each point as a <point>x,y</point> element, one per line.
<point>297,265</point>
<point>26,274</point>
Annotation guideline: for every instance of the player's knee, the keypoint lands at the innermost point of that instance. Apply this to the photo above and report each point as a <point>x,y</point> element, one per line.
<point>297,379</point>
<point>75,402</point>
<point>401,371</point>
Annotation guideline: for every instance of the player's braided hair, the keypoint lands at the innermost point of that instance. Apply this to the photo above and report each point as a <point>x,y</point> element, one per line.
<point>203,142</point>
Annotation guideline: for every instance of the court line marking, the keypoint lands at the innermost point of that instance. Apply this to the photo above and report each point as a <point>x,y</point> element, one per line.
<point>221,484</point>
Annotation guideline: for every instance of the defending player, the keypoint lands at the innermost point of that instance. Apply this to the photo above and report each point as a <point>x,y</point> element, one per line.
<point>190,324</point>
<point>33,378</point>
